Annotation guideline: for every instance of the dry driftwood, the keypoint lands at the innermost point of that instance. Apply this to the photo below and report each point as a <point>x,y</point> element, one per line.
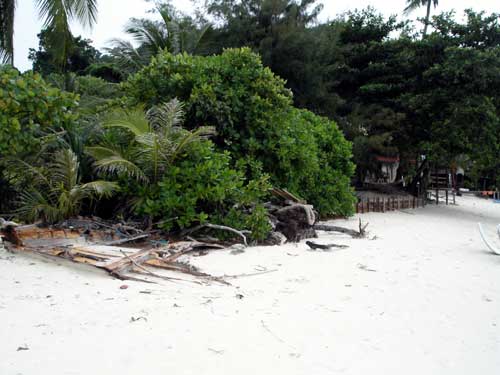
<point>70,244</point>
<point>361,233</point>
<point>126,240</point>
<point>240,233</point>
<point>295,222</point>
<point>286,195</point>
<point>316,246</point>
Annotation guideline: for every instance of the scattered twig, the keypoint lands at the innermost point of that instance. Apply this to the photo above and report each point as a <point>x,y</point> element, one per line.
<point>148,271</point>
<point>271,332</point>
<point>365,268</point>
<point>247,274</point>
<point>133,319</point>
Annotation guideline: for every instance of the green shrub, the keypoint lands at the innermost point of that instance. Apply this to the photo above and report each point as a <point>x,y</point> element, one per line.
<point>255,120</point>
<point>202,187</point>
<point>319,162</point>
<point>30,109</point>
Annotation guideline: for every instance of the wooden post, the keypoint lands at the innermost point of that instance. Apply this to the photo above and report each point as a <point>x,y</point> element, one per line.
<point>368,205</point>
<point>414,203</point>
<point>446,196</point>
<point>454,196</point>
<point>437,196</point>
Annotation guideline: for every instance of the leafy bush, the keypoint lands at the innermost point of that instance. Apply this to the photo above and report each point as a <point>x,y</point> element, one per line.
<point>29,109</point>
<point>202,187</point>
<point>253,114</point>
<point>55,191</point>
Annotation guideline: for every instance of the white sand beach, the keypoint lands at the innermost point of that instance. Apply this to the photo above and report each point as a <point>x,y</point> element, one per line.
<point>421,295</point>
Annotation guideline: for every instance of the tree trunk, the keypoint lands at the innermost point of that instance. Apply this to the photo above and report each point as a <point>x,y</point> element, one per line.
<point>427,17</point>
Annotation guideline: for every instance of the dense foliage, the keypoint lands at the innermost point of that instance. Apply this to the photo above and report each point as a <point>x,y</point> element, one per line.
<point>253,114</point>
<point>392,91</point>
<point>81,54</point>
<point>211,115</point>
<point>29,110</point>
<point>204,187</point>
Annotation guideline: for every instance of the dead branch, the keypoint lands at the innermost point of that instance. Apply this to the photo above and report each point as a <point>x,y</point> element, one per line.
<point>316,246</point>
<point>248,274</point>
<point>148,271</point>
<point>351,232</point>
<point>286,195</point>
<point>221,227</point>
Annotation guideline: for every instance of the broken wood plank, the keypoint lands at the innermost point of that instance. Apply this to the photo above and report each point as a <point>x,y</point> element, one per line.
<point>126,263</point>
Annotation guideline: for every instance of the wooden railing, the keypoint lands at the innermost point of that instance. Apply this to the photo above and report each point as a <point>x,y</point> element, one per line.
<point>388,204</point>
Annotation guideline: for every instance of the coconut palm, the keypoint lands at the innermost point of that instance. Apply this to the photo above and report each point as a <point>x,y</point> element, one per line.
<point>56,191</point>
<point>158,140</point>
<point>413,5</point>
<point>175,33</point>
<point>56,16</point>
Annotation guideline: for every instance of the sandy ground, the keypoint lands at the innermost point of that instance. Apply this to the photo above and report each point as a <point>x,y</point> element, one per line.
<point>420,296</point>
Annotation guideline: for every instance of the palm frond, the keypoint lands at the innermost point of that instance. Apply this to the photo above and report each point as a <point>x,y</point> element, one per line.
<point>116,166</point>
<point>101,152</point>
<point>34,206</point>
<point>99,188</point>
<point>412,5</point>
<point>64,169</point>
<point>131,120</point>
<point>150,34</point>
<point>189,137</point>
<point>84,11</point>
<point>15,166</point>
<point>166,115</point>
<point>129,58</point>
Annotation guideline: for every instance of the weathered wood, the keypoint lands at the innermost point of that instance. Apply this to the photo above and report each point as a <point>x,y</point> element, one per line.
<point>223,228</point>
<point>351,232</point>
<point>126,263</point>
<point>286,195</point>
<point>126,240</point>
<point>316,246</point>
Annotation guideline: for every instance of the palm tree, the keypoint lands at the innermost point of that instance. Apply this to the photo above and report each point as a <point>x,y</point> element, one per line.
<point>56,191</point>
<point>56,16</point>
<point>158,140</point>
<point>175,33</point>
<point>413,5</point>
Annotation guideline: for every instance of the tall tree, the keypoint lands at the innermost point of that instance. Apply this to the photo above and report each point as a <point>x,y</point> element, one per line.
<point>80,56</point>
<point>7,10</point>
<point>56,15</point>
<point>176,32</point>
<point>413,5</point>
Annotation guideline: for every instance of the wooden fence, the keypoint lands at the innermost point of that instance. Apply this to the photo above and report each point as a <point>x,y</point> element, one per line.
<point>388,204</point>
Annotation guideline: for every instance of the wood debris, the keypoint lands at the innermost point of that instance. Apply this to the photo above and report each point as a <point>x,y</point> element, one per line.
<point>99,248</point>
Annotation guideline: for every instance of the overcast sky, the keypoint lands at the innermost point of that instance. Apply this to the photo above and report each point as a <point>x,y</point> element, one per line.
<point>113,14</point>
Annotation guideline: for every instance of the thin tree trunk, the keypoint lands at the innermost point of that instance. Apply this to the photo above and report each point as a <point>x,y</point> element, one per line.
<point>427,17</point>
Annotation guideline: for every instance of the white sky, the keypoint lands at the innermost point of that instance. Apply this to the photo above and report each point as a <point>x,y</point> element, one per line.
<point>113,15</point>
